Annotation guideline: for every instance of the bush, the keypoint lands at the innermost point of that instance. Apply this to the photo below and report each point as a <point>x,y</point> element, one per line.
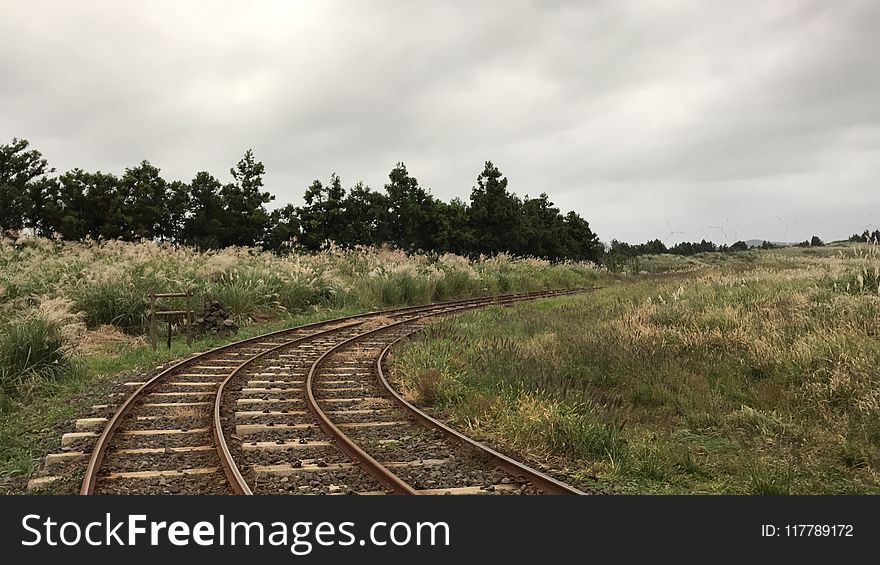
<point>120,303</point>
<point>865,279</point>
<point>32,347</point>
<point>245,294</point>
<point>109,281</point>
<point>400,289</point>
<point>772,480</point>
<point>580,430</point>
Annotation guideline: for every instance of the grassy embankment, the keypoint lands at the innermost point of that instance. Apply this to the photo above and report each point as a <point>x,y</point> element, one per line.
<point>73,314</point>
<point>754,372</point>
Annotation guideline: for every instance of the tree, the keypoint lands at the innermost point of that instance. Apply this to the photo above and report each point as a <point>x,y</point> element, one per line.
<point>688,248</point>
<point>145,195</point>
<point>867,237</point>
<point>365,217</point>
<point>494,216</point>
<point>105,206</point>
<point>208,214</point>
<point>412,220</point>
<point>544,232</point>
<point>205,222</point>
<point>64,208</point>
<point>816,242</point>
<point>617,254</point>
<point>285,229</point>
<point>653,247</point>
<point>246,220</point>
<point>583,244</point>
<point>178,206</point>
<point>22,177</point>
<point>80,204</point>
<point>321,218</point>
<point>454,234</point>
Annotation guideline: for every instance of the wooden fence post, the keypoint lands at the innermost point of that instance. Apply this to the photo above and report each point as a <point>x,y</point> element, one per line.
<point>189,318</point>
<point>168,315</point>
<point>153,336</point>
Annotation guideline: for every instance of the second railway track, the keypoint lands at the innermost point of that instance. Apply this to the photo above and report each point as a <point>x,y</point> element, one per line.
<point>300,411</point>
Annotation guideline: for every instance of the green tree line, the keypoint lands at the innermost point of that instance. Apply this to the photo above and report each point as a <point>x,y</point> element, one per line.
<point>656,247</point>
<point>618,251</point>
<point>866,236</point>
<point>207,213</point>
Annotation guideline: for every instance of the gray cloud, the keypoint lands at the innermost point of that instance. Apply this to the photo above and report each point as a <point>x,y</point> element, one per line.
<point>678,119</point>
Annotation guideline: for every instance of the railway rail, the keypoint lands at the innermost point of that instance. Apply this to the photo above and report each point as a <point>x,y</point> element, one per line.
<point>307,410</point>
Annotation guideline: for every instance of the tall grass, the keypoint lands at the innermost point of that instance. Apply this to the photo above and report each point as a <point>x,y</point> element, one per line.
<point>31,347</point>
<point>120,303</point>
<point>107,283</point>
<point>37,344</point>
<point>756,376</point>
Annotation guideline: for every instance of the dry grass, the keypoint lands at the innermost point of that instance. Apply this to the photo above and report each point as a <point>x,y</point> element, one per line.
<point>184,413</point>
<point>106,339</point>
<point>753,376</point>
<point>108,281</point>
<point>375,322</point>
<point>93,295</point>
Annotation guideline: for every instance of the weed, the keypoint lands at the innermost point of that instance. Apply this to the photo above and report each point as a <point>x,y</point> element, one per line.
<point>747,374</point>
<point>775,479</point>
<point>32,347</point>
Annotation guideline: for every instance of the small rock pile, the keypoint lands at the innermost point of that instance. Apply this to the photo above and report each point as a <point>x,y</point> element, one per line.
<point>214,320</point>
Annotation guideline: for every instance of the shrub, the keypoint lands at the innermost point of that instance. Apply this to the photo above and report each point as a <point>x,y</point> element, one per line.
<point>770,479</point>
<point>427,386</point>
<point>244,295</point>
<point>579,430</point>
<point>109,281</point>
<point>117,302</point>
<point>32,347</point>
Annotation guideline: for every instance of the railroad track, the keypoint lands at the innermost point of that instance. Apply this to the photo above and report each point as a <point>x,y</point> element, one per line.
<point>307,410</point>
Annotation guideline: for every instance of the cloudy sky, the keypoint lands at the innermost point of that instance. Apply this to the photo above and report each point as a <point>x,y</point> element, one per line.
<point>652,118</point>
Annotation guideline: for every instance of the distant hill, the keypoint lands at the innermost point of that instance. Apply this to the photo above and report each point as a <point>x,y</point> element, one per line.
<point>760,242</point>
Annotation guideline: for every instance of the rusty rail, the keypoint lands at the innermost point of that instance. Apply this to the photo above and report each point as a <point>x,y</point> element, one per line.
<point>233,474</point>
<point>547,483</point>
<point>381,472</point>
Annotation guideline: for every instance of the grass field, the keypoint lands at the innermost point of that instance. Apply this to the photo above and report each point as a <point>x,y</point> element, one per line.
<point>753,372</point>
<point>73,314</point>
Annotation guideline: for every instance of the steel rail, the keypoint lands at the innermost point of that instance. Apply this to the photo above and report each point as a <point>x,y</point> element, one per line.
<point>547,483</point>
<point>103,442</point>
<point>233,473</point>
<point>230,468</point>
<point>368,462</point>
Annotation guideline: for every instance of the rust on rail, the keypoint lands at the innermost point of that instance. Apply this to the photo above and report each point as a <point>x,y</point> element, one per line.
<point>231,471</point>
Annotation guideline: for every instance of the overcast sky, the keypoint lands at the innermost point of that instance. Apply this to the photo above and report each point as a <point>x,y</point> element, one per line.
<point>651,118</point>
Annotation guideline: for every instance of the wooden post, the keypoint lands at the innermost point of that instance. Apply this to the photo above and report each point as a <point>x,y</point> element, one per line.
<point>189,318</point>
<point>153,336</point>
<point>170,315</point>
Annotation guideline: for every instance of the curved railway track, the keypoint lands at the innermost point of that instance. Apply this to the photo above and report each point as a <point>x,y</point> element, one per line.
<point>306,410</point>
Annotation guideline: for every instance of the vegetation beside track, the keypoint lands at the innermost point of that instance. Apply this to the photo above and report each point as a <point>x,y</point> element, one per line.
<point>72,315</point>
<point>748,373</point>
<point>31,422</point>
